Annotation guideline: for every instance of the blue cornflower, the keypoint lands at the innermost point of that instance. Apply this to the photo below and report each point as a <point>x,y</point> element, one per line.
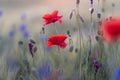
<point>28,78</point>
<point>47,48</point>
<point>26,34</point>
<point>12,63</point>
<point>43,37</point>
<point>1,13</point>
<point>11,33</point>
<point>116,74</point>
<point>23,16</point>
<point>44,70</point>
<point>23,27</point>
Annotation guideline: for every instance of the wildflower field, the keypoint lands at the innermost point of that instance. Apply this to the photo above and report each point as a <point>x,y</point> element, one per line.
<point>59,40</point>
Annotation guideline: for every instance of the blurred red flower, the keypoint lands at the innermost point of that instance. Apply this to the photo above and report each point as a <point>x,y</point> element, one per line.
<point>57,40</point>
<point>52,18</point>
<point>111,29</point>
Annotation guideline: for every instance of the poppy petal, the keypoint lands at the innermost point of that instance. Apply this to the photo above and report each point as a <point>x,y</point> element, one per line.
<point>54,14</point>
<point>52,18</point>
<point>62,37</point>
<point>60,21</point>
<point>63,45</point>
<point>111,29</point>
<point>46,16</point>
<point>49,43</point>
<point>53,37</point>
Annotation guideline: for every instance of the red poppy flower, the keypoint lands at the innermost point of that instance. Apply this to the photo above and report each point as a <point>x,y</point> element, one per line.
<point>111,29</point>
<point>52,18</point>
<point>57,40</point>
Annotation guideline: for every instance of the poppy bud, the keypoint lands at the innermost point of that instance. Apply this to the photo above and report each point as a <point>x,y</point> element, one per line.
<point>71,14</point>
<point>81,18</point>
<point>99,15</point>
<point>32,41</point>
<point>77,2</point>
<point>43,30</point>
<point>20,42</point>
<point>100,33</point>
<point>76,50</point>
<point>103,10</point>
<point>97,38</point>
<point>68,33</point>
<point>71,48</point>
<point>91,10</point>
<point>113,5</point>
<point>91,2</point>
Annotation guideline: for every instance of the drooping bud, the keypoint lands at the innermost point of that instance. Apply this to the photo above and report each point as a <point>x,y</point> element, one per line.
<point>68,33</point>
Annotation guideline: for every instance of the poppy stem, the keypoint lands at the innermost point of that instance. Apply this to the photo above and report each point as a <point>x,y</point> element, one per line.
<point>78,22</point>
<point>103,7</point>
<point>91,18</point>
<point>55,28</point>
<point>44,48</point>
<point>59,50</point>
<point>56,33</point>
<point>98,6</point>
<point>78,70</point>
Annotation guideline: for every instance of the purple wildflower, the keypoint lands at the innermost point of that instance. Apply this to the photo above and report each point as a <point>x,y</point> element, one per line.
<point>43,37</point>
<point>96,65</point>
<point>32,48</point>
